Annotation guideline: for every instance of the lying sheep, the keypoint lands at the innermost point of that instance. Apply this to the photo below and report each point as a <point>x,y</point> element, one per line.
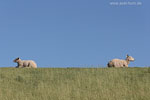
<point>119,62</point>
<point>25,63</point>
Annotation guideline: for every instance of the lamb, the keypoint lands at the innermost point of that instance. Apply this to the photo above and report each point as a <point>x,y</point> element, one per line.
<point>25,63</point>
<point>120,63</point>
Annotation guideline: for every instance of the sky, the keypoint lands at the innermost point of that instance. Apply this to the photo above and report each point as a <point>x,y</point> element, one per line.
<point>74,33</point>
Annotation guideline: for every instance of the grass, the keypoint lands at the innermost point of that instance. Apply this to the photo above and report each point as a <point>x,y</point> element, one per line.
<point>75,84</point>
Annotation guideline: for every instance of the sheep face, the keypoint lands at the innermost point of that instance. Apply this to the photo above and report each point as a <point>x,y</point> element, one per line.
<point>17,59</point>
<point>129,58</point>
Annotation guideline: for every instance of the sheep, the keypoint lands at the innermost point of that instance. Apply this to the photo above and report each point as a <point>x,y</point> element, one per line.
<point>120,62</point>
<point>25,63</point>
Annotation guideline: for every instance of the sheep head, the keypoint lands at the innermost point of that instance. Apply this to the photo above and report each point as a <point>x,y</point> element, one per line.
<point>17,59</point>
<point>129,58</point>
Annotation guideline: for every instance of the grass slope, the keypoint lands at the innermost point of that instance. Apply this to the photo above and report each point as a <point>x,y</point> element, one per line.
<point>75,84</point>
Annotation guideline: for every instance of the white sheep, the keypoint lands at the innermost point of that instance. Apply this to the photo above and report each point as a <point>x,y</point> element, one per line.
<point>120,62</point>
<point>25,63</point>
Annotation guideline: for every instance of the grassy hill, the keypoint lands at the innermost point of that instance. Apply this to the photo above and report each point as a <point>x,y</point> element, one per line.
<point>75,84</point>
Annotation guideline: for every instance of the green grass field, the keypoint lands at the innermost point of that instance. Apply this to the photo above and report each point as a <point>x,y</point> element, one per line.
<point>75,84</point>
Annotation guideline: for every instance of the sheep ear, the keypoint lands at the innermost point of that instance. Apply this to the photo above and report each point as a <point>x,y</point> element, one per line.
<point>18,58</point>
<point>127,55</point>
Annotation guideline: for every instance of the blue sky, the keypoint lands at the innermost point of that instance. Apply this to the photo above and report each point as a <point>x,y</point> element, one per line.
<point>73,33</point>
